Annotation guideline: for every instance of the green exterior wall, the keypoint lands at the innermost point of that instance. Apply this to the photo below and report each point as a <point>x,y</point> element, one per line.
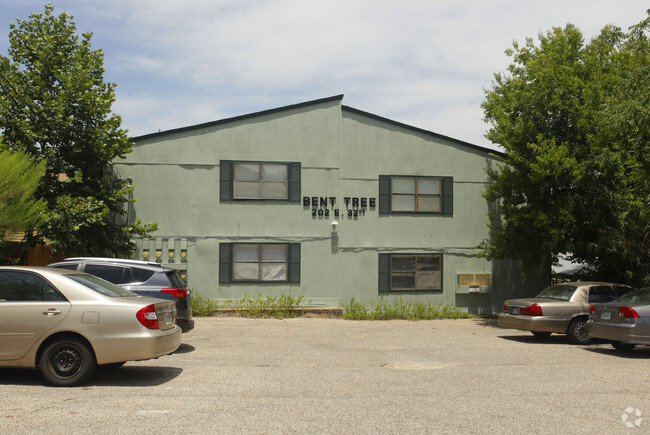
<point>342,152</point>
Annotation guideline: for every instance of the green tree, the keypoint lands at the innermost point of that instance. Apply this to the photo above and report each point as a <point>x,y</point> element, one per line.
<point>19,179</point>
<point>55,105</point>
<point>573,121</point>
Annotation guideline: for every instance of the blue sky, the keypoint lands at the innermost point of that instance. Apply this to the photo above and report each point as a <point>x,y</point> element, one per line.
<point>420,62</point>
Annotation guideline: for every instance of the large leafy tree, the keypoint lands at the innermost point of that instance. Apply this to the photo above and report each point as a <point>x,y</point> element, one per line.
<point>573,119</point>
<point>55,105</point>
<point>19,179</point>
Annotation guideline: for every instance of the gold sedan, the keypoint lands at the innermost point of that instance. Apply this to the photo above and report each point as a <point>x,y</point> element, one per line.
<point>66,323</point>
<point>561,309</point>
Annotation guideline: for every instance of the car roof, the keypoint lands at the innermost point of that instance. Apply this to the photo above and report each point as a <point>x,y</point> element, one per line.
<point>111,260</point>
<point>589,283</point>
<point>43,270</point>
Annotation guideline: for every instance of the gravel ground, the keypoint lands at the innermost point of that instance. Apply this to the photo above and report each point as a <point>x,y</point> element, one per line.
<point>314,375</point>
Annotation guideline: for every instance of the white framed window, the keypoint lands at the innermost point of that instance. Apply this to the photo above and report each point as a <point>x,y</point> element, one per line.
<point>406,194</point>
<point>260,181</point>
<point>416,194</point>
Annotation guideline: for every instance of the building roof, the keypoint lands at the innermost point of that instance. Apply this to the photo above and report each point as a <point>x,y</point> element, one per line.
<point>312,103</point>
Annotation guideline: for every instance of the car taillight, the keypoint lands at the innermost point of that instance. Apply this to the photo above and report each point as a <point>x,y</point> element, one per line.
<point>628,312</point>
<point>147,316</point>
<point>178,293</point>
<point>592,309</point>
<point>505,308</point>
<point>533,310</point>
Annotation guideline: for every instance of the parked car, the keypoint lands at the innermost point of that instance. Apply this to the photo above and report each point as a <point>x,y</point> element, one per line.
<point>625,321</point>
<point>65,323</point>
<point>141,277</point>
<point>560,308</point>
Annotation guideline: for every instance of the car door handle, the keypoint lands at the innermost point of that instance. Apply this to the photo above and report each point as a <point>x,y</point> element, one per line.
<point>52,312</point>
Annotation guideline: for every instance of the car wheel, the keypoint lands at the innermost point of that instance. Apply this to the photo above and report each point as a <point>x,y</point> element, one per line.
<point>577,332</point>
<point>623,346</point>
<point>66,362</point>
<point>541,334</point>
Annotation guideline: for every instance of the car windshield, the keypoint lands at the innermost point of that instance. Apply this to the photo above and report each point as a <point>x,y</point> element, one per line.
<point>559,292</point>
<point>100,286</point>
<point>641,296</point>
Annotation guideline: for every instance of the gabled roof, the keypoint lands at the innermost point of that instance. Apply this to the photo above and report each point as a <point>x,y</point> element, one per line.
<point>422,131</point>
<point>240,118</point>
<point>313,103</point>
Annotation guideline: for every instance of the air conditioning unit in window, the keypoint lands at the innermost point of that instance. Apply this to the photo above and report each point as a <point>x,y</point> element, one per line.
<point>474,283</point>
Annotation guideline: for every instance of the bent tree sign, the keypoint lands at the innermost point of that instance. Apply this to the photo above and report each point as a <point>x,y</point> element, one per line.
<point>329,206</point>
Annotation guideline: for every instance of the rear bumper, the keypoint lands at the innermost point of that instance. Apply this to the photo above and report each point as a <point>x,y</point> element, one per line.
<point>185,324</point>
<point>139,346</point>
<point>612,332</point>
<point>558,325</point>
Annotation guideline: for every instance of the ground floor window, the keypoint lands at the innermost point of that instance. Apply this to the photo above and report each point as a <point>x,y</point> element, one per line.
<point>410,272</point>
<point>259,262</point>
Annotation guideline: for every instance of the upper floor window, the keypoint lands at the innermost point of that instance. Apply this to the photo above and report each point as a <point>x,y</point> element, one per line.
<point>408,194</point>
<point>260,181</point>
<point>274,181</point>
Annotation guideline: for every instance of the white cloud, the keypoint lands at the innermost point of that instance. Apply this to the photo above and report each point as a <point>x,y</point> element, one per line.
<point>420,62</point>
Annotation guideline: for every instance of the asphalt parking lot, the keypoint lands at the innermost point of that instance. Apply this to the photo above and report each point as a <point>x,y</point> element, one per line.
<point>313,375</point>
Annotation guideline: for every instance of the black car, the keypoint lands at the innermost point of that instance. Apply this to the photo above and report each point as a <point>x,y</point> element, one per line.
<point>141,277</point>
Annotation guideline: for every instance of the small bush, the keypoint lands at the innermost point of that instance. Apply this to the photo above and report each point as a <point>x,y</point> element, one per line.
<point>202,305</point>
<point>270,306</point>
<point>398,309</point>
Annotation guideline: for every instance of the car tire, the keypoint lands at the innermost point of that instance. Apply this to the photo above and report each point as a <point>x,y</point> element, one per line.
<point>541,334</point>
<point>623,346</point>
<point>66,362</point>
<point>577,332</point>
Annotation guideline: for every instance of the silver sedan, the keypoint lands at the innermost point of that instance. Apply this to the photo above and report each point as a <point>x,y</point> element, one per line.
<point>625,322</point>
<point>66,323</point>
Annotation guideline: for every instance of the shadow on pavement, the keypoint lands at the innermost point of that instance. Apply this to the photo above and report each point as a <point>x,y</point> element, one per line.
<point>185,348</point>
<point>125,376</point>
<point>639,352</point>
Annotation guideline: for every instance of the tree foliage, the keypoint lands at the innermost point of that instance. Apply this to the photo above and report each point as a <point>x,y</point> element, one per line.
<point>573,119</point>
<point>55,106</point>
<point>19,179</point>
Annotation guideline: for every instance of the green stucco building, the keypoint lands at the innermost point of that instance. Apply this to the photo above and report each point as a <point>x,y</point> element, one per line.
<point>321,200</point>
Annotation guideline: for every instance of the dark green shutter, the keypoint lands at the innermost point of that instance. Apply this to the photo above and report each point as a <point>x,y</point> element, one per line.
<point>384,194</point>
<point>448,196</point>
<point>294,182</point>
<point>384,273</point>
<point>225,180</point>
<point>225,262</point>
<point>294,263</point>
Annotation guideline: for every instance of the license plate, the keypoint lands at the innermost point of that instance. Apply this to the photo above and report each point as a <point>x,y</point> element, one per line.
<point>606,315</point>
<point>168,318</point>
<point>514,311</point>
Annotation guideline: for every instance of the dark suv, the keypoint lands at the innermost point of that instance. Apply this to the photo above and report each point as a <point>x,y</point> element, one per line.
<point>141,277</point>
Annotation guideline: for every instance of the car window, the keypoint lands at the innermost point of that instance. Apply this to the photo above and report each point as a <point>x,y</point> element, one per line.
<point>141,275</point>
<point>19,286</point>
<point>560,292</point>
<point>114,274</point>
<point>636,297</point>
<point>175,279</point>
<point>601,293</point>
<point>620,291</point>
<point>101,286</point>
